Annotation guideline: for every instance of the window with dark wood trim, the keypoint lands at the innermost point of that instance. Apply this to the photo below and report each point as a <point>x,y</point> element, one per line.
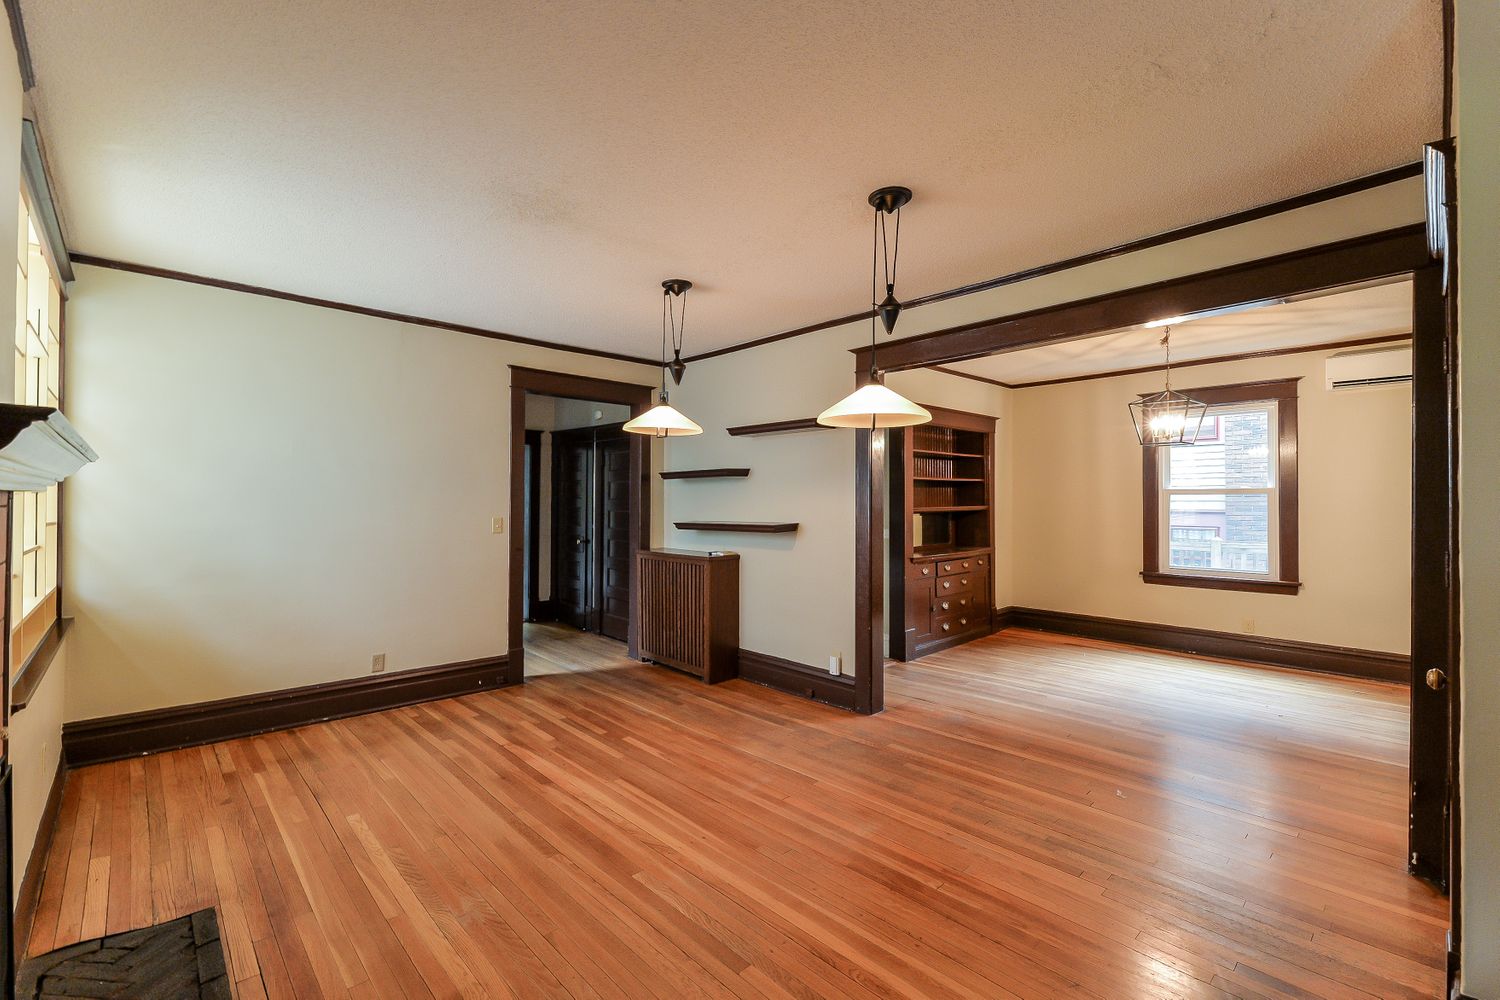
<point>1267,567</point>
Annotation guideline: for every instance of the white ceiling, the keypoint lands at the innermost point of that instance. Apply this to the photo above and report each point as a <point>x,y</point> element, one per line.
<point>1377,311</point>
<point>538,168</point>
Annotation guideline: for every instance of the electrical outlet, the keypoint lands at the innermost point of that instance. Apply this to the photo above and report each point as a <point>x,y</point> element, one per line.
<point>835,664</point>
<point>377,663</point>
<point>1248,626</point>
<point>497,526</point>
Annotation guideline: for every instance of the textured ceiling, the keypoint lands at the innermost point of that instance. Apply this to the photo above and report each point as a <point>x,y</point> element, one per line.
<point>1377,311</point>
<point>538,168</point>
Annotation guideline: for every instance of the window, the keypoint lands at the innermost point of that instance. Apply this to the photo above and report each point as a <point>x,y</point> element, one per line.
<point>38,382</point>
<point>1222,512</point>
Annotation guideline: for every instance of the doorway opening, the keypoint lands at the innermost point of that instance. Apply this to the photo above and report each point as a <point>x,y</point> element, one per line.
<point>580,508</point>
<point>1192,534</point>
<point>577,523</point>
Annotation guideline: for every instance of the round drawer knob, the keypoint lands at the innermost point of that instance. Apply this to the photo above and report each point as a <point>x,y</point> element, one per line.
<point>947,584</point>
<point>926,570</point>
<point>946,626</point>
<point>945,605</point>
<point>963,621</point>
<point>966,565</point>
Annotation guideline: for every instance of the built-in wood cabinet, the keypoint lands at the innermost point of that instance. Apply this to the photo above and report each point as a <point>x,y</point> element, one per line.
<point>942,515</point>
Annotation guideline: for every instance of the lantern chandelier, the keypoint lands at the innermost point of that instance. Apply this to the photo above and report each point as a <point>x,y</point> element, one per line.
<point>663,419</point>
<point>1167,417</point>
<point>872,405</point>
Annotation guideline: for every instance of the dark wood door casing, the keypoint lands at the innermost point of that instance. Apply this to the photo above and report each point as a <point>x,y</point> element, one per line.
<point>639,398</point>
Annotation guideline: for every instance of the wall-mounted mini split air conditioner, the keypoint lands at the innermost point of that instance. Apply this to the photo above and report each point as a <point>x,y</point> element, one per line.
<point>1363,369</point>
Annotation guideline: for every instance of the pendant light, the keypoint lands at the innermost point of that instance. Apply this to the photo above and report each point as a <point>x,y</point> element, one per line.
<point>663,419</point>
<point>872,405</point>
<point>1167,417</point>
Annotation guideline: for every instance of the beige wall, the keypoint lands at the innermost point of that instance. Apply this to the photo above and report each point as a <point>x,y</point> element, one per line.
<point>797,591</point>
<point>282,492</point>
<point>35,745</point>
<point>1078,516</point>
<point>1478,86</point>
<point>35,734</point>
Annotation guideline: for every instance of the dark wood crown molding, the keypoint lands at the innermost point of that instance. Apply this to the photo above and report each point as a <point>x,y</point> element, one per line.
<point>309,300</point>
<point>1354,186</point>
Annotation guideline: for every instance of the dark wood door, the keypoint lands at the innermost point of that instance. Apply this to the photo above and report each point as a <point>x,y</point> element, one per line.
<point>1434,607</point>
<point>572,526</point>
<point>612,552</point>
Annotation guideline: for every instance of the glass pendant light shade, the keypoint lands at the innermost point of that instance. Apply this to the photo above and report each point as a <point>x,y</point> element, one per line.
<point>872,406</point>
<point>1166,418</point>
<point>662,420</point>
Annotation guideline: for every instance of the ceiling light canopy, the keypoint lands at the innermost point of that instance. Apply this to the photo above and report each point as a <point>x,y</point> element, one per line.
<point>665,420</point>
<point>873,406</point>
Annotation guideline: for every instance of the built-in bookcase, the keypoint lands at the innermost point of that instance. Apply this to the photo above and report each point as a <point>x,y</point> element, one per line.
<point>942,510</point>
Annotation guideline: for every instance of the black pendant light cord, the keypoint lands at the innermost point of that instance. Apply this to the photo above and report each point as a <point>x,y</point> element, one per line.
<point>664,297</point>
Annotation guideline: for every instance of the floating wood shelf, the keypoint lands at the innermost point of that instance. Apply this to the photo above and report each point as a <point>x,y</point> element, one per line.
<point>949,479</point>
<point>777,427</point>
<point>946,454</point>
<point>949,510</point>
<point>754,527</point>
<point>706,474</point>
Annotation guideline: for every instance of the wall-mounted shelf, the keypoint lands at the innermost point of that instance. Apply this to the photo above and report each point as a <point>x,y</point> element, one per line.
<point>948,509</point>
<point>753,527</point>
<point>777,427</point>
<point>706,474</point>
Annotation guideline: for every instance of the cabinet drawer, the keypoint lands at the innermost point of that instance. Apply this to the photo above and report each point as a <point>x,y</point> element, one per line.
<point>955,603</point>
<point>968,564</point>
<point>955,624</point>
<point>921,571</point>
<point>975,584</point>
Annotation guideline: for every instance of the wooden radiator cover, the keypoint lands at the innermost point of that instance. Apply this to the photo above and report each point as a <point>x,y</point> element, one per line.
<point>690,611</point>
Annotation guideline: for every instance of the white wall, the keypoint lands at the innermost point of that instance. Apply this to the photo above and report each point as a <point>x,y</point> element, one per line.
<point>1478,91</point>
<point>1078,519</point>
<point>282,492</point>
<point>797,591</point>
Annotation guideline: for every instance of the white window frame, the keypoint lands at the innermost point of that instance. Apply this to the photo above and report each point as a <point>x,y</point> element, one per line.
<point>1165,493</point>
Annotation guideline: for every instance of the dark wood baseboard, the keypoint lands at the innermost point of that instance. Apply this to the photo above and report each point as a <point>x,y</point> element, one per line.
<point>1345,660</point>
<point>797,678</point>
<point>94,741</point>
<point>544,611</point>
<point>36,864</point>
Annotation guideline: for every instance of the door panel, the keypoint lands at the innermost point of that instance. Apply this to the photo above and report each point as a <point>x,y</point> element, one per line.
<point>613,566</point>
<point>572,520</point>
<point>1434,643</point>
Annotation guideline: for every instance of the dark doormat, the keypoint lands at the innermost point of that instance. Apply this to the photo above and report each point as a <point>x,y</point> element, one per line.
<point>178,960</point>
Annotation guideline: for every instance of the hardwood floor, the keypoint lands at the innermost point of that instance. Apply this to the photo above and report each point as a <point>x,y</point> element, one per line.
<point>1031,817</point>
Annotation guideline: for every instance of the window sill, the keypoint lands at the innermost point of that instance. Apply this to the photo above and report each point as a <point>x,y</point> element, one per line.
<point>1224,583</point>
<point>29,677</point>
